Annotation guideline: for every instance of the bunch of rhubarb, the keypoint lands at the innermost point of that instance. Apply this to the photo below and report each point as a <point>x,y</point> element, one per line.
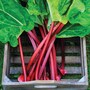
<point>53,19</point>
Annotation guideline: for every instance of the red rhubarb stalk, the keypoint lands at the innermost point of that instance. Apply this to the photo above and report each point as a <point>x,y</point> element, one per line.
<point>22,59</point>
<point>34,46</point>
<point>33,76</point>
<point>62,68</point>
<point>63,53</point>
<point>33,42</point>
<point>54,54</point>
<point>55,62</point>
<point>34,32</point>
<point>34,37</point>
<point>61,25</point>
<point>42,32</point>
<point>32,59</point>
<point>31,71</point>
<point>45,73</point>
<point>51,55</point>
<point>33,67</point>
<point>46,57</point>
<point>52,68</point>
<point>38,49</point>
<point>44,49</point>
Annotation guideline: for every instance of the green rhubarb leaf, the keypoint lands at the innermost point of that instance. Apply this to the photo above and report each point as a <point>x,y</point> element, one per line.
<point>84,18</point>
<point>79,12</point>
<point>9,34</point>
<point>73,31</point>
<point>42,4</point>
<point>58,8</point>
<point>33,8</point>
<point>29,27</point>
<point>34,11</point>
<point>64,6</point>
<point>39,10</point>
<point>13,18</point>
<point>78,15</point>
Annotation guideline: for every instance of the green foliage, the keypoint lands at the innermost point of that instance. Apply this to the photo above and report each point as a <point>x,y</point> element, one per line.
<point>74,30</point>
<point>57,9</point>
<point>77,14</point>
<point>64,6</point>
<point>75,11</point>
<point>15,19</point>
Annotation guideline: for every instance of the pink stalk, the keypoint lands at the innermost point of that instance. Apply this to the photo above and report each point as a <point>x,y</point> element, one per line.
<point>59,28</point>
<point>46,44</point>
<point>33,76</point>
<point>52,68</point>
<point>45,73</point>
<point>51,55</point>
<point>62,69</point>
<point>31,72</point>
<point>34,37</point>
<point>47,78</point>
<point>54,54</point>
<point>55,62</point>
<point>34,46</point>
<point>44,49</point>
<point>46,57</point>
<point>42,32</point>
<point>33,67</point>
<point>63,53</point>
<point>22,59</point>
<point>33,42</point>
<point>33,31</point>
<point>39,48</point>
<point>32,59</point>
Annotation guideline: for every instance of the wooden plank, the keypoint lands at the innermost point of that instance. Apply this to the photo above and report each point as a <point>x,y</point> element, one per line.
<point>74,49</point>
<point>70,70</point>
<point>69,80</point>
<point>6,60</point>
<point>68,59</point>
<point>73,70</point>
<point>68,49</point>
<point>73,39</point>
<point>61,81</point>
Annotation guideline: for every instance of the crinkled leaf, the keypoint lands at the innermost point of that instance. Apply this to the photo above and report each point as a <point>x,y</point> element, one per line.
<point>84,18</point>
<point>74,31</point>
<point>37,9</point>
<point>29,27</point>
<point>33,8</point>
<point>13,17</point>
<point>39,20</point>
<point>79,13</point>
<point>64,6</point>
<point>10,34</point>
<point>58,8</point>
<point>34,11</point>
<point>43,8</point>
